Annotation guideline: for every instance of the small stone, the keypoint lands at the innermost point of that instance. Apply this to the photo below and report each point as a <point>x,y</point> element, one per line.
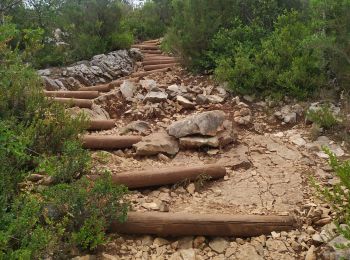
<point>151,206</point>
<point>127,89</point>
<point>317,238</point>
<point>184,102</point>
<point>310,255</point>
<point>219,245</point>
<point>185,243</point>
<point>147,240</point>
<point>198,241</point>
<point>188,254</point>
<point>157,143</point>
<point>191,188</point>
<point>163,158</point>
<point>276,245</point>
<point>156,97</point>
<point>275,235</point>
<point>246,252</point>
<point>160,242</point>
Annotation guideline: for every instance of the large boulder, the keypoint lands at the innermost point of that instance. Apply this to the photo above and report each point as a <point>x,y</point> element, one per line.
<point>206,123</point>
<point>157,143</point>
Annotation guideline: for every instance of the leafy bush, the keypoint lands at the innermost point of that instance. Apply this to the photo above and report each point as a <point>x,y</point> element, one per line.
<point>37,136</point>
<point>281,63</point>
<point>338,195</point>
<point>323,117</point>
<point>196,22</point>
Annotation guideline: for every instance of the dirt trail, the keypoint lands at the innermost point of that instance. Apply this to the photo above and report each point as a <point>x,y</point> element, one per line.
<point>268,169</point>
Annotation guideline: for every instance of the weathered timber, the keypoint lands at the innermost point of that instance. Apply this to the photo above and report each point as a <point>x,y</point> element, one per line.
<point>146,73</point>
<point>145,47</point>
<point>159,66</point>
<point>104,87</point>
<point>152,51</point>
<point>74,102</point>
<point>100,88</point>
<point>170,175</point>
<point>157,41</point>
<point>159,61</point>
<point>186,224</point>
<point>100,142</point>
<point>102,124</point>
<point>72,94</point>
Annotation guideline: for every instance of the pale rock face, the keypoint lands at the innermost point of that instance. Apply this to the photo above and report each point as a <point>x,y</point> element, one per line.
<point>157,143</point>
<point>207,123</point>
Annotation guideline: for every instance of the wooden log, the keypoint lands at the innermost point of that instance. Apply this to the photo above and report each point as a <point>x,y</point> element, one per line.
<point>145,47</point>
<point>159,66</point>
<point>151,51</point>
<point>146,73</point>
<point>72,94</point>
<point>152,41</point>
<point>101,124</point>
<point>216,225</point>
<point>100,142</point>
<point>159,61</point>
<point>101,88</point>
<point>104,87</point>
<point>170,175</point>
<point>74,102</point>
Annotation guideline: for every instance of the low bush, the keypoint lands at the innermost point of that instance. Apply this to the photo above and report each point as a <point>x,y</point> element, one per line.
<point>37,136</point>
<point>338,195</point>
<point>323,117</point>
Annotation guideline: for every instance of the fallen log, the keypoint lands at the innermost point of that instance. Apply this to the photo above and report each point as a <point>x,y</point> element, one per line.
<point>146,73</point>
<point>101,124</point>
<point>151,51</point>
<point>100,88</point>
<point>170,175</point>
<point>104,87</point>
<point>160,66</point>
<point>145,47</point>
<point>72,94</point>
<point>100,142</point>
<point>159,61</point>
<point>74,102</point>
<point>157,41</point>
<point>217,225</point>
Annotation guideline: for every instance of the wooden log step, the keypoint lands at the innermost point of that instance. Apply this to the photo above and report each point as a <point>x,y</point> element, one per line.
<point>101,124</point>
<point>170,175</point>
<point>146,73</point>
<point>151,51</point>
<point>72,94</point>
<point>100,88</point>
<point>151,41</point>
<point>75,102</point>
<point>159,66</point>
<point>104,87</point>
<point>216,225</point>
<point>100,142</point>
<point>157,62</point>
<point>159,57</point>
<point>145,47</point>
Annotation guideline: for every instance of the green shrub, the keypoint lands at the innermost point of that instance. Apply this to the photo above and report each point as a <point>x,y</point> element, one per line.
<point>281,63</point>
<point>323,117</point>
<point>38,136</point>
<point>338,195</point>
<point>121,40</point>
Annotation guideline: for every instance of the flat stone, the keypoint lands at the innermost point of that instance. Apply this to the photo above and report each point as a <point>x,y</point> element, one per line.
<point>156,97</point>
<point>157,143</point>
<point>148,84</point>
<point>246,252</point>
<point>138,126</point>
<point>219,245</point>
<point>198,141</point>
<point>276,245</point>
<point>185,243</point>
<point>214,99</point>
<point>206,123</point>
<point>184,102</point>
<point>160,242</point>
<point>188,254</point>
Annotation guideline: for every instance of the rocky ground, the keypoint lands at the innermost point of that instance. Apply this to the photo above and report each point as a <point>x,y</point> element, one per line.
<point>265,147</point>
